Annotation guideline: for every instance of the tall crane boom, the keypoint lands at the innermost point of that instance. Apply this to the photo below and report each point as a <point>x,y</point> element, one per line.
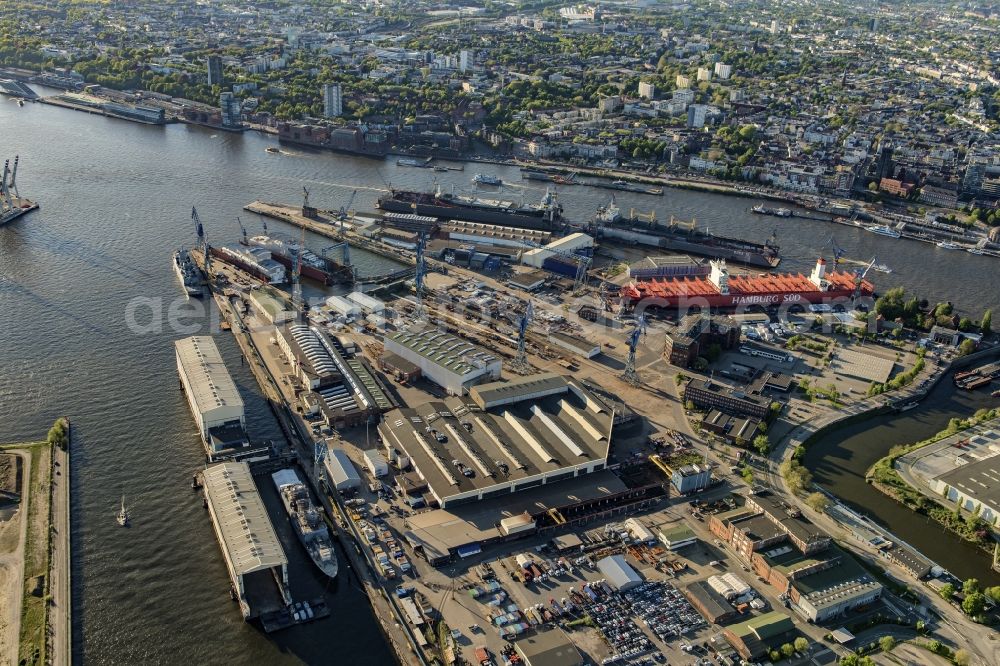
<point>631,375</point>
<point>200,231</point>
<point>521,360</point>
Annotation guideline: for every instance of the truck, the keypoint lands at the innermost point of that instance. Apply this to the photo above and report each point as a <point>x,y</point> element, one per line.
<point>483,656</point>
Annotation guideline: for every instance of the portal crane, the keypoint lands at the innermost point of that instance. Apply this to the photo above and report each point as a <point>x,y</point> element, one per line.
<point>630,375</point>
<point>243,230</point>
<point>419,272</point>
<point>200,231</point>
<point>859,278</point>
<point>344,212</point>
<point>521,360</point>
<point>297,272</point>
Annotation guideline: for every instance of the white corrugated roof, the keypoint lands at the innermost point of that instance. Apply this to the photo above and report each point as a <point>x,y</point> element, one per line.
<point>207,378</point>
<point>249,541</point>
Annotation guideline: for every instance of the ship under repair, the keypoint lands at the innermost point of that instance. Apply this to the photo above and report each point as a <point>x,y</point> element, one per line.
<point>721,290</point>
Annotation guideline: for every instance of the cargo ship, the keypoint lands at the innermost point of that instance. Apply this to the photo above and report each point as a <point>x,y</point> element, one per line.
<point>721,290</point>
<point>315,267</point>
<point>547,214</point>
<point>307,520</point>
<point>682,237</point>
<point>188,273</point>
<point>626,186</point>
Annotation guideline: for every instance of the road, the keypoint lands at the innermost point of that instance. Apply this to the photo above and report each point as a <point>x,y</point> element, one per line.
<point>12,573</point>
<point>60,634</point>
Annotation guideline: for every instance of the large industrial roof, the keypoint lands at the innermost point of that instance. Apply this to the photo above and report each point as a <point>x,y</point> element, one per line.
<point>208,380</point>
<point>501,445</point>
<point>249,541</point>
<point>445,350</point>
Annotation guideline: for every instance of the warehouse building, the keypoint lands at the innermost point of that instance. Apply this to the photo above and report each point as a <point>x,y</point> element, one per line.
<point>212,396</point>
<point>343,307</point>
<point>502,438</point>
<point>691,478</point>
<point>575,344</point>
<point>974,483</point>
<point>569,244</point>
<point>368,304</point>
<point>341,387</point>
<point>712,605</point>
<point>341,474</point>
<point>619,573</point>
<point>449,361</point>
<point>250,547</point>
<point>550,647</point>
<point>754,638</point>
<point>676,536</point>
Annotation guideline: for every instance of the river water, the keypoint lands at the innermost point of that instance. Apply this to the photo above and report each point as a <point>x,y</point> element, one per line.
<point>116,199</point>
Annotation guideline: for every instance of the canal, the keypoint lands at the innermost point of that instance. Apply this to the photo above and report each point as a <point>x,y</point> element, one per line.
<point>840,458</point>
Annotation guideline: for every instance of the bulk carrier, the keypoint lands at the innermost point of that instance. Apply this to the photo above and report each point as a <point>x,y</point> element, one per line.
<point>682,237</point>
<point>546,215</point>
<point>721,290</point>
<point>306,520</point>
<point>286,253</point>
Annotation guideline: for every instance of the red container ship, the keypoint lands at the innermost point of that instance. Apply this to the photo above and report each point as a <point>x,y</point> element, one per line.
<point>721,290</point>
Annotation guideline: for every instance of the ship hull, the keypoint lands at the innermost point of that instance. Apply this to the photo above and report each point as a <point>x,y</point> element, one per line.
<point>468,213</point>
<point>307,271</point>
<point>732,301</point>
<point>329,566</point>
<point>703,246</point>
<point>244,266</point>
<point>193,290</point>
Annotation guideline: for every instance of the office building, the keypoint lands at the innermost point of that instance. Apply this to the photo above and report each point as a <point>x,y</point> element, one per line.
<point>706,394</point>
<point>333,103</point>
<point>214,66</point>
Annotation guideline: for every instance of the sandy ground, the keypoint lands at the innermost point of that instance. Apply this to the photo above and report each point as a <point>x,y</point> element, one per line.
<point>12,533</point>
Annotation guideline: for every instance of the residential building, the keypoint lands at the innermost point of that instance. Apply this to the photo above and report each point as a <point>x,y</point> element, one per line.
<point>214,66</point>
<point>647,90</point>
<point>704,74</point>
<point>229,106</point>
<point>333,103</point>
<point>696,115</point>
<point>723,71</point>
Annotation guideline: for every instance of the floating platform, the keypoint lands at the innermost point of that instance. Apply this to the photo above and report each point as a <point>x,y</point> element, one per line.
<point>21,207</point>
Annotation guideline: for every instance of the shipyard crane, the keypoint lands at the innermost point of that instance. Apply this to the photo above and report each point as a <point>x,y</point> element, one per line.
<point>859,278</point>
<point>630,375</point>
<point>418,274</point>
<point>838,252</point>
<point>200,230</point>
<point>243,230</point>
<point>582,262</point>
<point>345,249</point>
<point>12,183</point>
<point>297,272</point>
<point>344,212</point>
<point>521,360</point>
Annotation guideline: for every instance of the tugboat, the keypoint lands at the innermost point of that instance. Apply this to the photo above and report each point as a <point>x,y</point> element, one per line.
<point>881,268</point>
<point>272,149</point>
<point>123,516</point>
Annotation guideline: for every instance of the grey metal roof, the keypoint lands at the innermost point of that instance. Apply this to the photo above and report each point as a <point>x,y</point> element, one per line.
<point>248,539</point>
<point>208,379</point>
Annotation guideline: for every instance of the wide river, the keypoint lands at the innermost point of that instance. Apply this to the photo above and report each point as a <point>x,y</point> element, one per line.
<point>115,202</point>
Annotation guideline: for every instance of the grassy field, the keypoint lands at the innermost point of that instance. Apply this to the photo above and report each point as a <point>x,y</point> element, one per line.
<point>34,605</point>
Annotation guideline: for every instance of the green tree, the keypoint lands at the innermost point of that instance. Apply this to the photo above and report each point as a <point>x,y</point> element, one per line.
<point>970,585</point>
<point>818,502</point>
<point>787,650</point>
<point>947,591</point>
<point>993,593</point>
<point>801,644</point>
<point>962,657</point>
<point>966,347</point>
<point>986,325</point>
<point>974,604</point>
<point>887,643</point>
<point>762,444</point>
